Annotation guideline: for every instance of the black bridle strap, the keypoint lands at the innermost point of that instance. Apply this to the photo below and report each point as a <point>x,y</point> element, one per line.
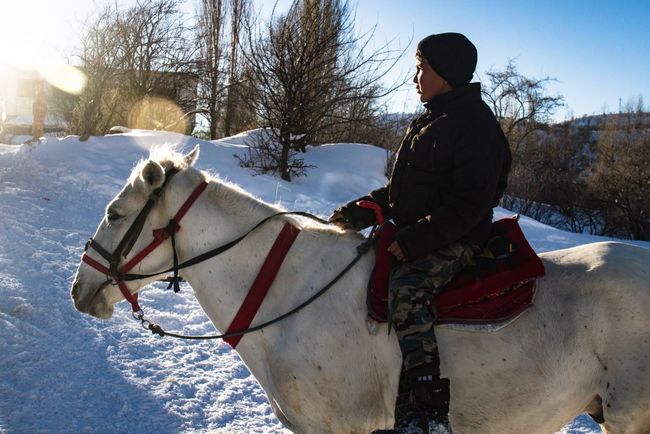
<point>219,250</point>
<point>134,231</point>
<point>175,280</point>
<point>99,249</point>
<point>132,234</point>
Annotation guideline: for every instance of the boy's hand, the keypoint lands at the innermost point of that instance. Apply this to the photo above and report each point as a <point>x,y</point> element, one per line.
<point>337,219</point>
<point>396,251</point>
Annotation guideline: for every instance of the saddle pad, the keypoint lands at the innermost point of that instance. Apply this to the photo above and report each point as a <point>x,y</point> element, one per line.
<point>478,327</point>
<point>493,294</point>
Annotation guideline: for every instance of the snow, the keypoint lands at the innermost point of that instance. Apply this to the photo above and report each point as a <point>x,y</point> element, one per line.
<point>67,372</point>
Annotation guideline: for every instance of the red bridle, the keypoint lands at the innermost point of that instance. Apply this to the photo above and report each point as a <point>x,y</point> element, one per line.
<point>115,272</point>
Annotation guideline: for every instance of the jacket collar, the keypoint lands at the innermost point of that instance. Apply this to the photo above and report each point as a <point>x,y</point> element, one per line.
<point>456,97</point>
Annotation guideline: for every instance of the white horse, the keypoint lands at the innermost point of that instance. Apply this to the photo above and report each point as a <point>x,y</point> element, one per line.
<point>583,346</point>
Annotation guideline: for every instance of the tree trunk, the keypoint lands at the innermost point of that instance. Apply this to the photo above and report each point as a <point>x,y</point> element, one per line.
<point>39,110</point>
<point>285,143</point>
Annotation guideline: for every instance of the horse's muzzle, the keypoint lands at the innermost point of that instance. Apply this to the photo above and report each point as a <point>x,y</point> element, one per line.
<point>93,303</point>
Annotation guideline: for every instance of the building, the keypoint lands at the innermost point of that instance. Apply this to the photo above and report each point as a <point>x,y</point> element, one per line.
<point>24,93</point>
<point>22,89</point>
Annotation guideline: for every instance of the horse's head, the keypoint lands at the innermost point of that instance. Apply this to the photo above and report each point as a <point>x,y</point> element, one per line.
<point>123,232</point>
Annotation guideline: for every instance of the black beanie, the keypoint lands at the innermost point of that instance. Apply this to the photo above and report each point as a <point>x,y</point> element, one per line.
<point>451,55</point>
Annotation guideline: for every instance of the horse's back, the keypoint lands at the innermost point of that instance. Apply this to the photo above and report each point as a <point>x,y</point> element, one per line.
<point>615,268</point>
<point>609,281</point>
<point>607,251</point>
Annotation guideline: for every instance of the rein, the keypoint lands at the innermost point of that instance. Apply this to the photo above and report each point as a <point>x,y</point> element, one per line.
<point>119,275</point>
<point>361,250</point>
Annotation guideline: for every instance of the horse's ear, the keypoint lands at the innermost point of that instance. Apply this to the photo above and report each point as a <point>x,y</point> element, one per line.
<point>191,158</point>
<point>153,174</point>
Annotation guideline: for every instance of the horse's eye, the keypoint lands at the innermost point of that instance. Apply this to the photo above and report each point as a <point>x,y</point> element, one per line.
<point>113,216</point>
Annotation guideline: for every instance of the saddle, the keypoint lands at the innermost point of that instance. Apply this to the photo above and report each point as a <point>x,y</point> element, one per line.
<point>498,288</point>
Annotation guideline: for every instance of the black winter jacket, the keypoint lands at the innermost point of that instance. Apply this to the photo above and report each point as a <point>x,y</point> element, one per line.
<point>451,170</point>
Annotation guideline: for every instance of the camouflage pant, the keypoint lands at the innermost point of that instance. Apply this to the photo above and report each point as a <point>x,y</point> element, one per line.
<point>413,286</point>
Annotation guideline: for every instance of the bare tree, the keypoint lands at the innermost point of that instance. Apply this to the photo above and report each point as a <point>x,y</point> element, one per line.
<point>132,55</point>
<point>39,109</point>
<point>620,182</point>
<point>234,116</point>
<point>306,66</point>
<point>523,107</point>
<point>101,61</point>
<point>219,33</point>
<point>159,60</point>
<point>211,27</point>
<point>548,182</point>
<point>521,104</point>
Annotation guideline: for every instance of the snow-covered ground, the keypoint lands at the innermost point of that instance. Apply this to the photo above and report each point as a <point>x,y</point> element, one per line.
<point>64,372</point>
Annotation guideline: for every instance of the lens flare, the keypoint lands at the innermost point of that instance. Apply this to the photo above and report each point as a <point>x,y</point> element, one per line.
<point>156,113</point>
<point>26,44</point>
<point>68,78</point>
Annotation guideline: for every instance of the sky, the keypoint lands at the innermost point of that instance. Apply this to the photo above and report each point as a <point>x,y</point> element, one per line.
<point>598,51</point>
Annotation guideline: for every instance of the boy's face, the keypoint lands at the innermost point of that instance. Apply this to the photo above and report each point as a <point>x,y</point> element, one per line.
<point>427,81</point>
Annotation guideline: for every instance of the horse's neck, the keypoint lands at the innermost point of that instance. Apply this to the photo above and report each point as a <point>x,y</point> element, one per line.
<point>221,215</point>
<point>221,285</point>
<point>223,211</point>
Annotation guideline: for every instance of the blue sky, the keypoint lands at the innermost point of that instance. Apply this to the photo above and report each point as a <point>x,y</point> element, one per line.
<point>598,51</point>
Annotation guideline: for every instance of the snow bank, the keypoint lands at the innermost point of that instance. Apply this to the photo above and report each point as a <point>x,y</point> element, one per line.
<point>67,372</point>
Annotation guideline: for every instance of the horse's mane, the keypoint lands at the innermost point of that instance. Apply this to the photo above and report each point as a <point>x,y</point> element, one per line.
<point>230,196</point>
<point>168,156</point>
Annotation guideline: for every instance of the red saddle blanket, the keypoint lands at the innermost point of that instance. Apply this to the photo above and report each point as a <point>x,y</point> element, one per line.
<point>497,289</point>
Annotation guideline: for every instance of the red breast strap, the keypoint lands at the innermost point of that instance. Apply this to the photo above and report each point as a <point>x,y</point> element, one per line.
<point>263,282</point>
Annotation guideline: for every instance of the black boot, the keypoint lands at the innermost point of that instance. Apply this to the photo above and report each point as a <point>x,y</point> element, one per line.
<point>429,392</point>
<point>428,403</point>
<point>430,396</point>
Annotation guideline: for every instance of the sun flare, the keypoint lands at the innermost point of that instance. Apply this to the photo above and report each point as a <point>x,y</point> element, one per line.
<point>24,44</point>
<point>23,31</point>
